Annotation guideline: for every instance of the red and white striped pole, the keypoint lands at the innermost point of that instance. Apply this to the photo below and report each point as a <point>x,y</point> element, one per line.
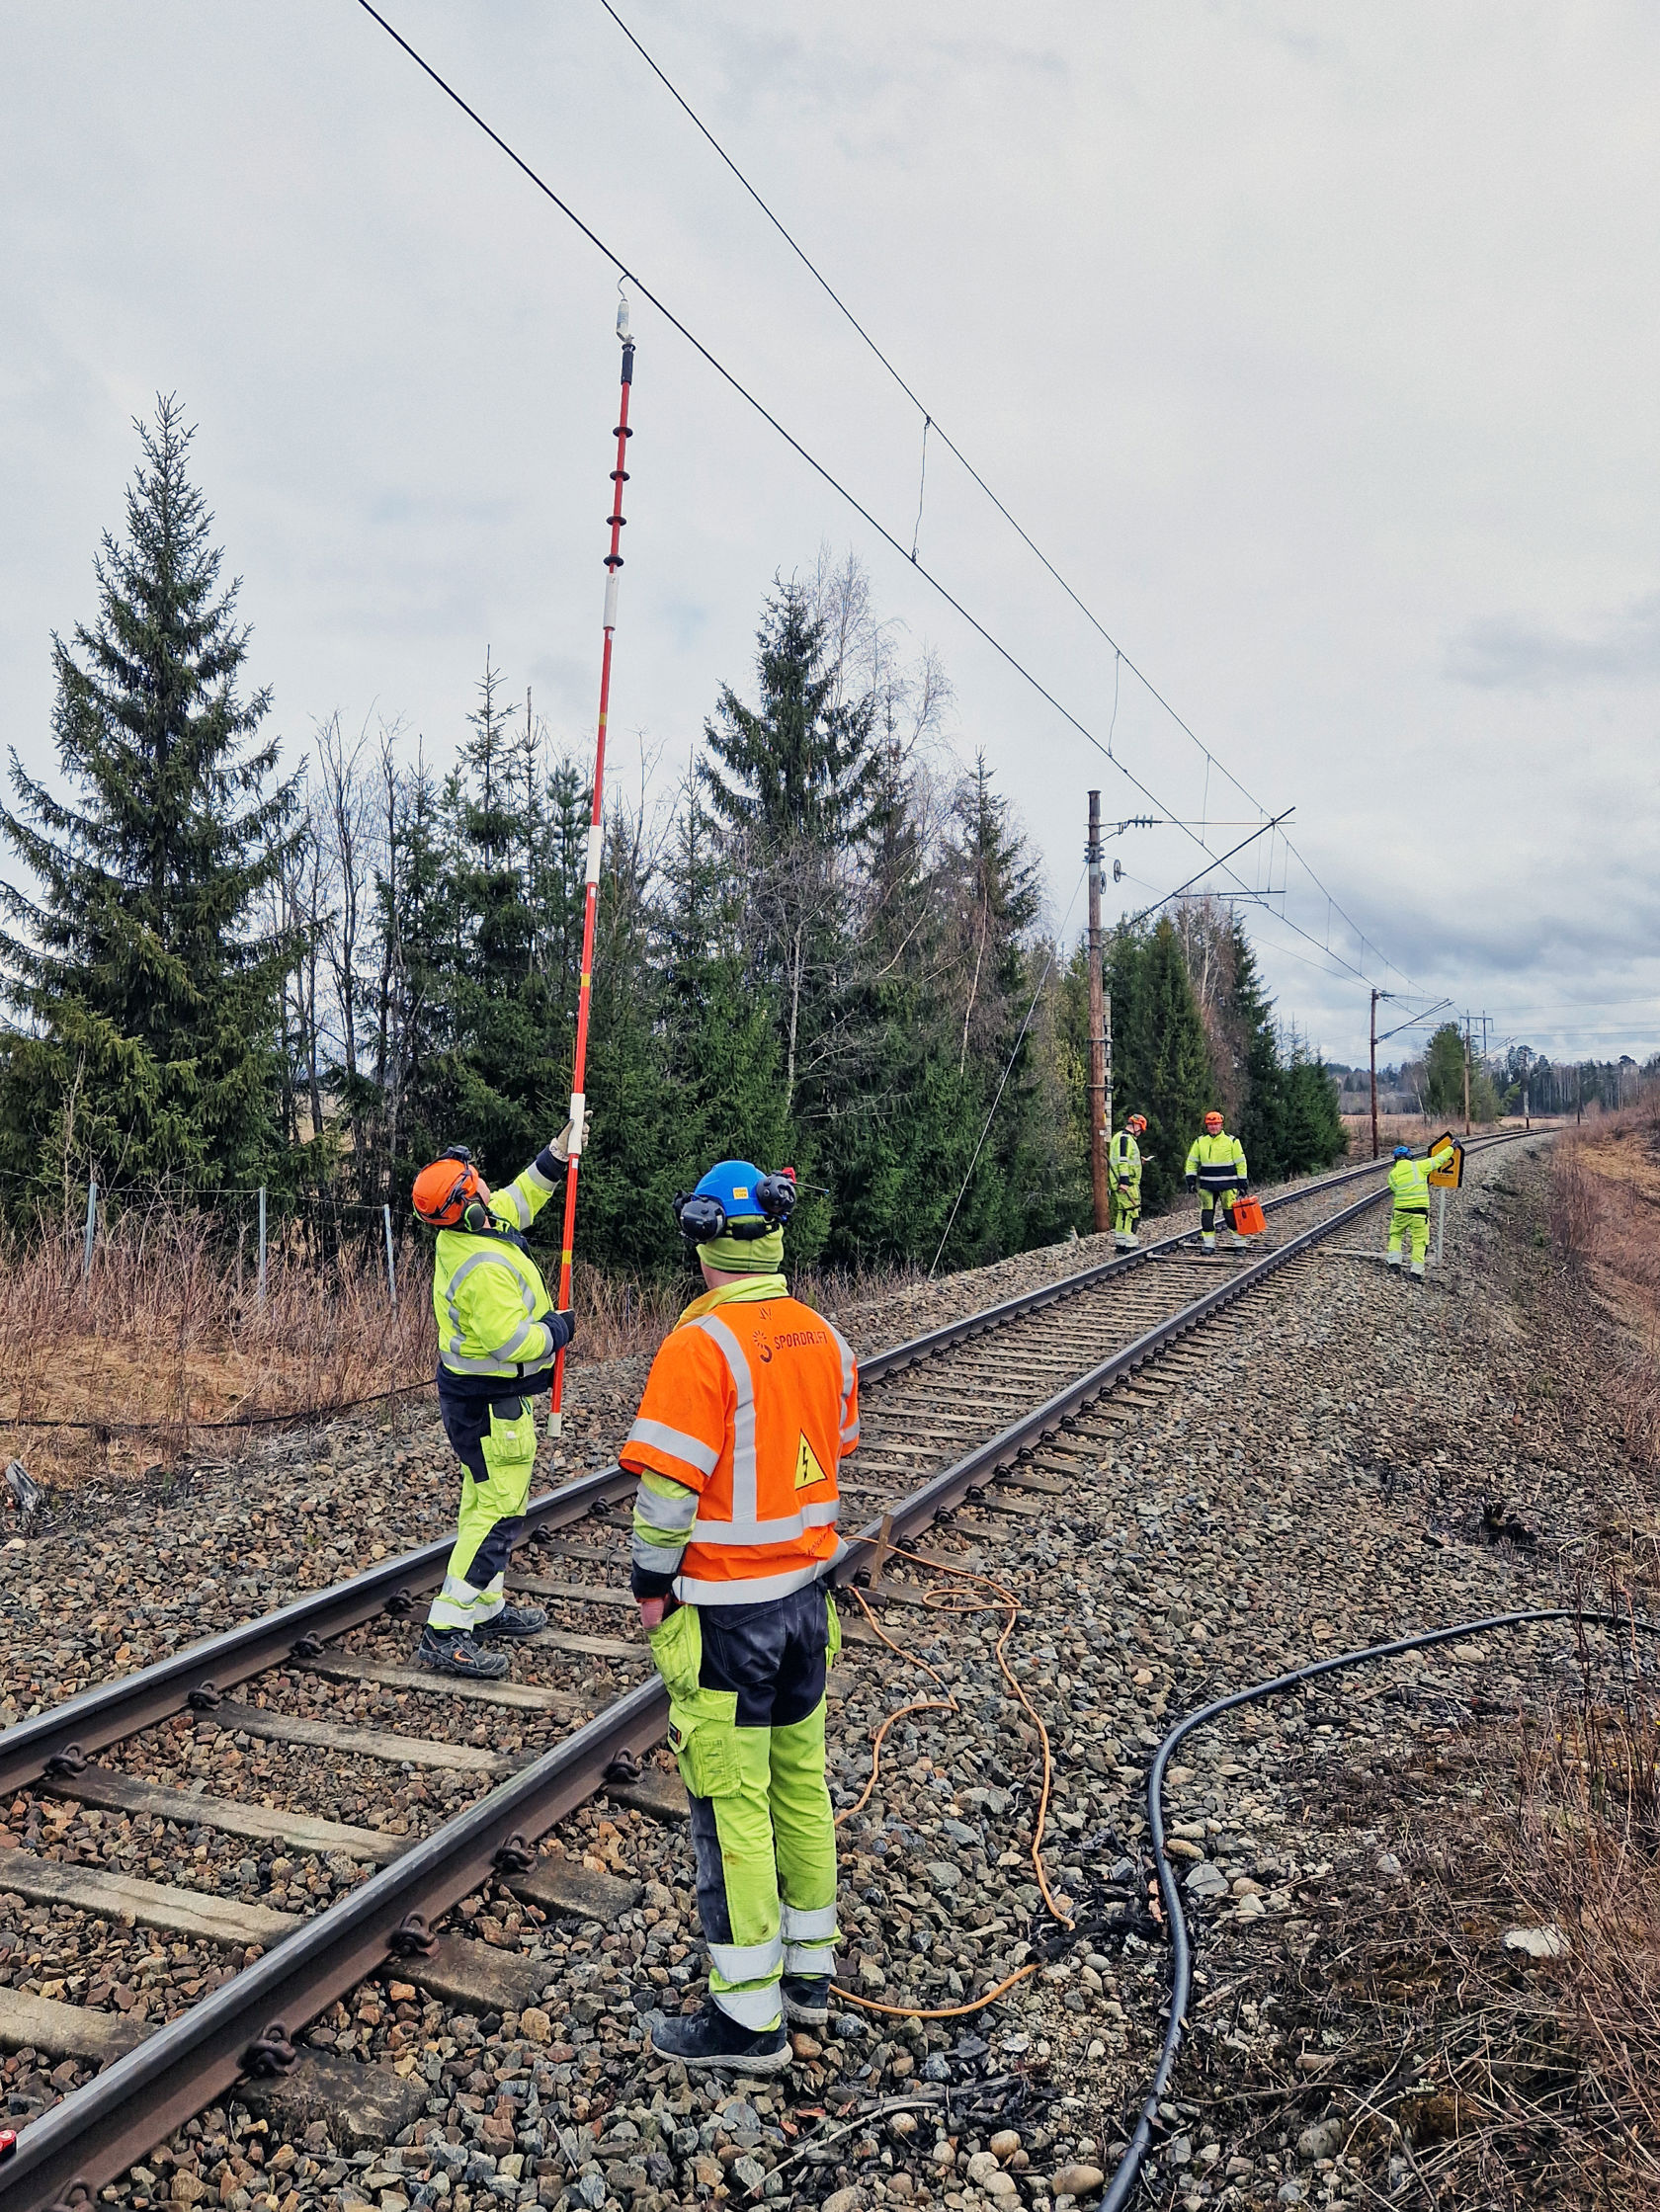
<point>596,839</point>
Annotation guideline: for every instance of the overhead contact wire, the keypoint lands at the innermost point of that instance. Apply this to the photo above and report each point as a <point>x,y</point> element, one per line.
<point>930,423</point>
<point>820,469</point>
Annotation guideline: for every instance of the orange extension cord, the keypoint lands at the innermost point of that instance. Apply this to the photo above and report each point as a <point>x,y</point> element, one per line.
<point>937,1602</point>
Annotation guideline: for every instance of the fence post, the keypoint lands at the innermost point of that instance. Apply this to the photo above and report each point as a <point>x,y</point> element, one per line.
<point>391,1273</point>
<point>260,1290</point>
<point>91,1229</point>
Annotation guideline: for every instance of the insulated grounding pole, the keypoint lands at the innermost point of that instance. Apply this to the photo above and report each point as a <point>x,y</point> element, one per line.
<point>1101,1108</point>
<point>579,1062</point>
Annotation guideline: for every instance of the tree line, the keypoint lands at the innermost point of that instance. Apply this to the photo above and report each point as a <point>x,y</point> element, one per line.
<point>828,949</point>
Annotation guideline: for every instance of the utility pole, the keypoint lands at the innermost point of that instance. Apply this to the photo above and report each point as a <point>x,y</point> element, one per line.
<point>1467,1025</point>
<point>1100,1096</point>
<point>1374,998</point>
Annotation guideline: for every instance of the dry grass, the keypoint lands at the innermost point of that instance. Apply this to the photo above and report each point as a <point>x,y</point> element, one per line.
<point>166,1349</point>
<point>1605,1223</point>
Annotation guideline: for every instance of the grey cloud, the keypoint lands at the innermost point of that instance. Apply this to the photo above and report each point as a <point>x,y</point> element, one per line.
<point>1508,652</point>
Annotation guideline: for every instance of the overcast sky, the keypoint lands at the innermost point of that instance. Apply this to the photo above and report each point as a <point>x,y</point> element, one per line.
<point>1315,345</point>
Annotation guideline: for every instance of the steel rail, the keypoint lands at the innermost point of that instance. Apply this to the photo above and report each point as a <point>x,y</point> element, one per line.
<point>50,1744</point>
<point>114,2120</point>
<point>98,2131</point>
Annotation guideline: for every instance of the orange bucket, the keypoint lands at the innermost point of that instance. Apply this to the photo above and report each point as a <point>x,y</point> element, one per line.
<point>1247,1217</point>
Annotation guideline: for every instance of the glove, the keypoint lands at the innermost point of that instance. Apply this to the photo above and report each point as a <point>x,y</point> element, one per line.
<point>1193,1183</point>
<point>1244,1188</point>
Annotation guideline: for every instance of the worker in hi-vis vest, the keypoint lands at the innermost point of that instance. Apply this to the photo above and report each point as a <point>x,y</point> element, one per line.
<point>1217,1170</point>
<point>1409,1211</point>
<point>1124,1180</point>
<point>497,1338</point>
<point>751,1405</point>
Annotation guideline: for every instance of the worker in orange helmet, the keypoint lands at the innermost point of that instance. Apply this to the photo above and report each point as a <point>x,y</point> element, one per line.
<point>1217,1169</point>
<point>498,1334</point>
<point>1124,1179</point>
<point>751,1405</point>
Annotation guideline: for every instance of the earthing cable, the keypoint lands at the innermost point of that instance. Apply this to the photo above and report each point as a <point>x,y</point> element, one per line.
<point>1128,2169</point>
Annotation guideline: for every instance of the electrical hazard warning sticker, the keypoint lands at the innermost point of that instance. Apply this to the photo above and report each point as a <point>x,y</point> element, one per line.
<point>807,1469</point>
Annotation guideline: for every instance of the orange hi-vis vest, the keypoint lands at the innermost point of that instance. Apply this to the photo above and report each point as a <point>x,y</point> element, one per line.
<point>751,1405</point>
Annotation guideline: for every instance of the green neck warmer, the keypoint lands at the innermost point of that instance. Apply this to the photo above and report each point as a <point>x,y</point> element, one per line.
<point>764,1256</point>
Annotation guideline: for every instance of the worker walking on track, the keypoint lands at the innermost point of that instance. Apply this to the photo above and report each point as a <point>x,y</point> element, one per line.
<point>497,1337</point>
<point>1217,1169</point>
<point>1409,1212</point>
<point>1124,1179</point>
<point>751,1405</point>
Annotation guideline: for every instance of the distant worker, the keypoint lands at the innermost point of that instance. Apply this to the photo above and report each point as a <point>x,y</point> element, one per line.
<point>1124,1179</point>
<point>1409,1215</point>
<point>1217,1169</point>
<point>497,1337</point>
<point>751,1405</point>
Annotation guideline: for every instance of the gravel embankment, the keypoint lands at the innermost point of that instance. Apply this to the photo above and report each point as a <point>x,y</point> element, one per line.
<point>1315,1479</point>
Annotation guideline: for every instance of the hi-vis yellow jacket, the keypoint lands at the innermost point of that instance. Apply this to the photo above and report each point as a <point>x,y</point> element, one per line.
<point>496,1324</point>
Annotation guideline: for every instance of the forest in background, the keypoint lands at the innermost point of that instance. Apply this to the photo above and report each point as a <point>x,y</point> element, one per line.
<point>228,971</point>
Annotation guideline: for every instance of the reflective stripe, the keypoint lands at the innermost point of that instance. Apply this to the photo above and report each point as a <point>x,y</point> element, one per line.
<point>850,1436</point>
<point>746,1962</point>
<point>808,1924</point>
<point>745,1479</point>
<point>459,1605</point>
<point>850,1372</point>
<point>656,1559</point>
<point>753,1590</point>
<point>657,1512</point>
<point>691,1449</point>
<point>822,1516</point>
<point>814,1961</point>
<point>755,2009</point>
<point>457,1337</point>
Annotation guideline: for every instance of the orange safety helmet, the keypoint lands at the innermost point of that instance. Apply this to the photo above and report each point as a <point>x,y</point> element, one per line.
<point>1214,1123</point>
<point>443,1192</point>
<point>1138,1124</point>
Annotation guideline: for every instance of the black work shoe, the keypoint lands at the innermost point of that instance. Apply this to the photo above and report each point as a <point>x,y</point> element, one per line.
<point>452,1651</point>
<point>710,2041</point>
<point>806,2000</point>
<point>513,1620</point>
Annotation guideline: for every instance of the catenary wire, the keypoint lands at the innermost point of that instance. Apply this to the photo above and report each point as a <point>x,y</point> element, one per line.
<point>931,423</point>
<point>819,468</point>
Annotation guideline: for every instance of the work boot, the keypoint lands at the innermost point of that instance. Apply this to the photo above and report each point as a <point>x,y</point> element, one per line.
<point>452,1651</point>
<point>712,2042</point>
<point>1123,1239</point>
<point>806,2000</point>
<point>513,1620</point>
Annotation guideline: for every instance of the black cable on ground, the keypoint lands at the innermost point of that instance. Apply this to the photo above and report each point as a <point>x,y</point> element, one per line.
<point>1181,1949</point>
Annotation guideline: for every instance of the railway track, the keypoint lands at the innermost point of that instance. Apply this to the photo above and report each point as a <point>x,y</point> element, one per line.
<point>978,1409</point>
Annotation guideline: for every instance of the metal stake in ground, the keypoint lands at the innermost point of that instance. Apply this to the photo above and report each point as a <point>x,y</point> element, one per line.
<point>579,1063</point>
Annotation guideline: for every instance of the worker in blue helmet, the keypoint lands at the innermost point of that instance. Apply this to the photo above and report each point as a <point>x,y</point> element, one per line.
<point>1409,1214</point>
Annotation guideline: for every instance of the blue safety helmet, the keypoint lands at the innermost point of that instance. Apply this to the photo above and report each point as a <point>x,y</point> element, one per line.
<point>1403,1152</point>
<point>735,1199</point>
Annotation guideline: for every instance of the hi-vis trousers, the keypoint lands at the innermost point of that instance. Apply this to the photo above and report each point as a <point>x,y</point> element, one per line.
<point>495,1441</point>
<point>746,1718</point>
<point>1415,1221</point>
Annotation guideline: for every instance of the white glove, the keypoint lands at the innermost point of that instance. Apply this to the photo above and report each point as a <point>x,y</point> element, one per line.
<point>572,1136</point>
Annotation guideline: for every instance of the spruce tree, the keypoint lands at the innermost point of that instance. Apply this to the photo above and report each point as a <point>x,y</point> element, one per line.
<point>1161,1062</point>
<point>149,990</point>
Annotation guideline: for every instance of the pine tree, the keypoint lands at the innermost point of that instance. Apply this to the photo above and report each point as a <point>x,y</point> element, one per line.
<point>149,995</point>
<point>793,783</point>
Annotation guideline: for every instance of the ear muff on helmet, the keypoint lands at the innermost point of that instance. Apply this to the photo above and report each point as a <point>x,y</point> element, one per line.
<point>700,1217</point>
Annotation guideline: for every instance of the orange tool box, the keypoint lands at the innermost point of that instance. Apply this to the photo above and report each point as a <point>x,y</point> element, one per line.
<point>1248,1218</point>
